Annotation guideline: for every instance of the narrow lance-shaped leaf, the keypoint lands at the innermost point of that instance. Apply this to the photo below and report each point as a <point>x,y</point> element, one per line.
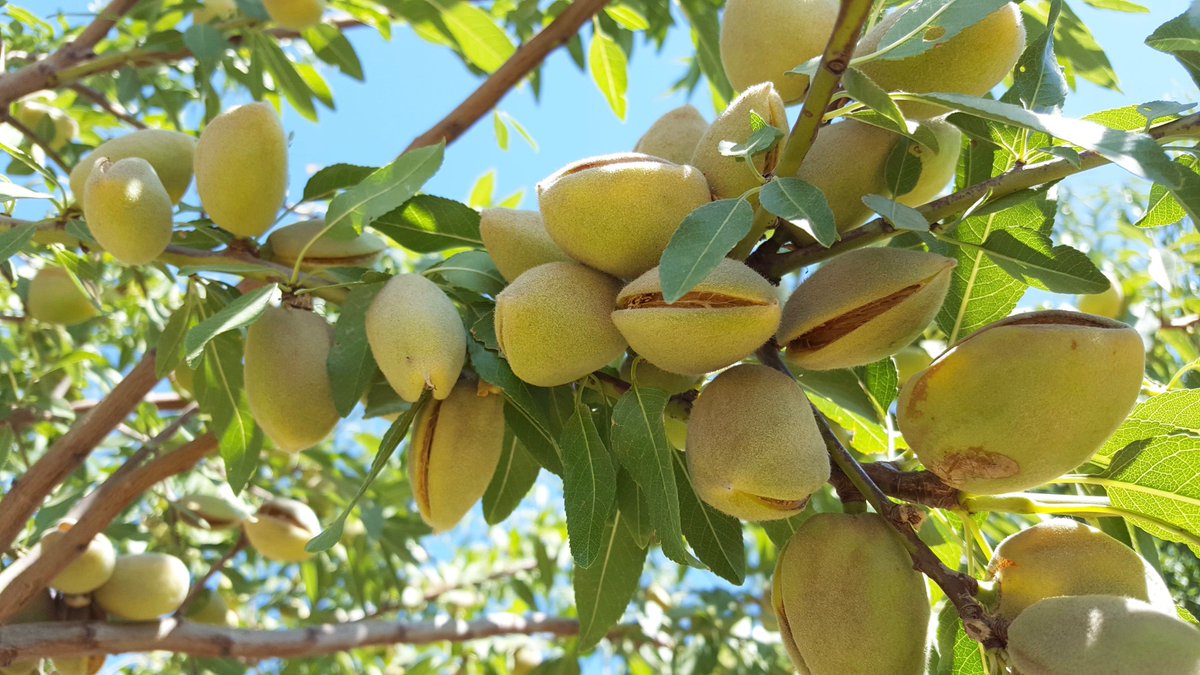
<point>701,242</point>
<point>239,313</point>
<point>589,486</point>
<point>350,364</point>
<point>608,65</point>
<point>515,475</point>
<point>603,591</point>
<point>714,536</point>
<point>803,205</point>
<point>382,191</point>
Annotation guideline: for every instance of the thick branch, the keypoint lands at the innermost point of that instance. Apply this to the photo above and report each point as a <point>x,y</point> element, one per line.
<point>29,575</point>
<point>70,451</point>
<point>520,64</point>
<point>917,487</point>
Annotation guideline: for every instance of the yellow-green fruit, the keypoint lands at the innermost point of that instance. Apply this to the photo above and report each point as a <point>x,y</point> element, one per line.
<point>554,325</point>
<point>281,528</point>
<point>83,665</point>
<point>848,599</point>
<point>55,236</point>
<point>1023,400</point>
<point>34,114</point>
<point>1102,635</point>
<point>214,10</point>
<point>87,572</point>
<point>753,447</point>
<point>721,321</point>
<point>295,14</point>
<point>729,177</point>
<point>848,161</point>
<point>653,377</point>
<point>54,298</point>
<point>617,213</point>
<point>910,361</point>
<point>287,384</point>
<point>128,210</point>
<point>144,586</point>
<point>211,608</point>
<point>185,380</point>
<point>970,63</point>
<point>761,40</point>
<point>417,337</point>
<point>456,445</point>
<point>863,306</point>
<point>517,241</point>
<point>241,169</point>
<point>171,153</point>
<point>39,609</point>
<point>1065,557</point>
<point>286,243</point>
<point>1108,304</point>
<point>674,136</point>
<point>213,511</point>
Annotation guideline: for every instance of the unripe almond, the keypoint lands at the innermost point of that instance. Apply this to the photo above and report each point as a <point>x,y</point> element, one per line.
<point>417,337</point>
<point>40,608</point>
<point>170,153</point>
<point>910,361</point>
<point>554,325</point>
<point>848,600</point>
<point>1101,635</point>
<point>83,665</point>
<point>144,586</point>
<point>1109,304</point>
<point>517,241</point>
<point>128,210</point>
<point>753,447</point>
<point>863,306</point>
<point>287,384</point>
<point>54,298</point>
<point>214,10</point>
<point>729,177</point>
<point>848,161</point>
<point>1065,557</point>
<point>617,213</point>
<point>281,528</point>
<point>761,40</point>
<point>241,168</point>
<point>1022,401</point>
<point>674,136</point>
<point>34,113</point>
<point>721,321</point>
<point>212,609</point>
<point>970,63</point>
<point>295,14</point>
<point>287,242</point>
<point>456,445</point>
<point>87,572</point>
<point>212,511</point>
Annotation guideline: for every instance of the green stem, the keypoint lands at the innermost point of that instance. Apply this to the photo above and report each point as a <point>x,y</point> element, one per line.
<point>1130,487</point>
<point>1034,504</point>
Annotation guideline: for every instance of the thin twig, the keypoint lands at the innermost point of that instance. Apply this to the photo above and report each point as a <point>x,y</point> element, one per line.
<point>111,107</point>
<point>219,565</point>
<point>37,140</point>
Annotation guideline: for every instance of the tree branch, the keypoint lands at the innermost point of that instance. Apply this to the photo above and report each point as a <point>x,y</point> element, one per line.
<point>520,64</point>
<point>220,564</point>
<point>70,451</point>
<point>24,579</point>
<point>37,140</point>
<point>111,107</point>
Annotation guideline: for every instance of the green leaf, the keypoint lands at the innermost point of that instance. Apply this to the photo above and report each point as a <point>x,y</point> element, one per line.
<point>607,63</point>
<point>1180,37</point>
<point>1030,256</point>
<point>635,511</point>
<point>221,393</point>
<point>383,191</point>
<point>515,474</point>
<point>900,216</point>
<point>350,364</point>
<point>701,242</point>
<point>287,80</point>
<point>1172,413</point>
<point>427,224</point>
<point>13,191</point>
<point>243,311</point>
<point>902,169</point>
<point>333,178</point>
<point>864,90</point>
<point>640,444</point>
<point>628,17</point>
<point>912,35</point>
<point>706,29</point>
<point>1118,6</point>
<point>169,348</point>
<point>472,270</point>
<point>589,486</point>
<point>206,43</point>
<point>763,137</point>
<point>803,205</point>
<point>604,590</point>
<point>957,654</point>
<point>523,413</point>
<point>1039,84</point>
<point>1156,477</point>
<point>333,48</point>
<point>483,43</point>
<point>714,536</point>
<point>16,239</point>
<point>881,381</point>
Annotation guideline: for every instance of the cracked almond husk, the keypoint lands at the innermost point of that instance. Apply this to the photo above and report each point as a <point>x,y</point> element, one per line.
<point>281,528</point>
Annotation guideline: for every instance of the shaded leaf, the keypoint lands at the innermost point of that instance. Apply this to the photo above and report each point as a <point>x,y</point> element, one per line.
<point>589,486</point>
<point>803,205</point>
<point>701,243</point>
<point>382,191</point>
<point>604,590</point>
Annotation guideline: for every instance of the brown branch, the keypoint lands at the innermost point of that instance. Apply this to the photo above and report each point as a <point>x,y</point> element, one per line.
<point>917,487</point>
<point>163,401</point>
<point>520,64</point>
<point>111,107</point>
<point>24,579</point>
<point>219,565</point>
<point>70,451</point>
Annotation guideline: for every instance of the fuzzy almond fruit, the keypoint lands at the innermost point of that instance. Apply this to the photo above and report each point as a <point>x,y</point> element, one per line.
<point>87,572</point>
<point>211,608</point>
<point>52,124</point>
<point>517,241</point>
<point>721,321</point>
<point>729,177</point>
<point>214,10</point>
<point>1066,557</point>
<point>848,161</point>
<point>1110,303</point>
<point>1022,401</point>
<point>1102,635</point>
<point>281,528</point>
<point>171,153</point>
<point>144,586</point>
<point>971,62</point>
<point>456,445</point>
<point>127,210</point>
<point>761,40</point>
<point>287,384</point>
<point>295,14</point>
<point>848,600</point>
<point>674,136</point>
<point>54,298</point>
<point>213,512</point>
<point>617,213</point>
<point>554,323</point>
<point>288,242</point>
<point>753,447</point>
<point>417,337</point>
<point>241,168</point>
<point>862,306</point>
